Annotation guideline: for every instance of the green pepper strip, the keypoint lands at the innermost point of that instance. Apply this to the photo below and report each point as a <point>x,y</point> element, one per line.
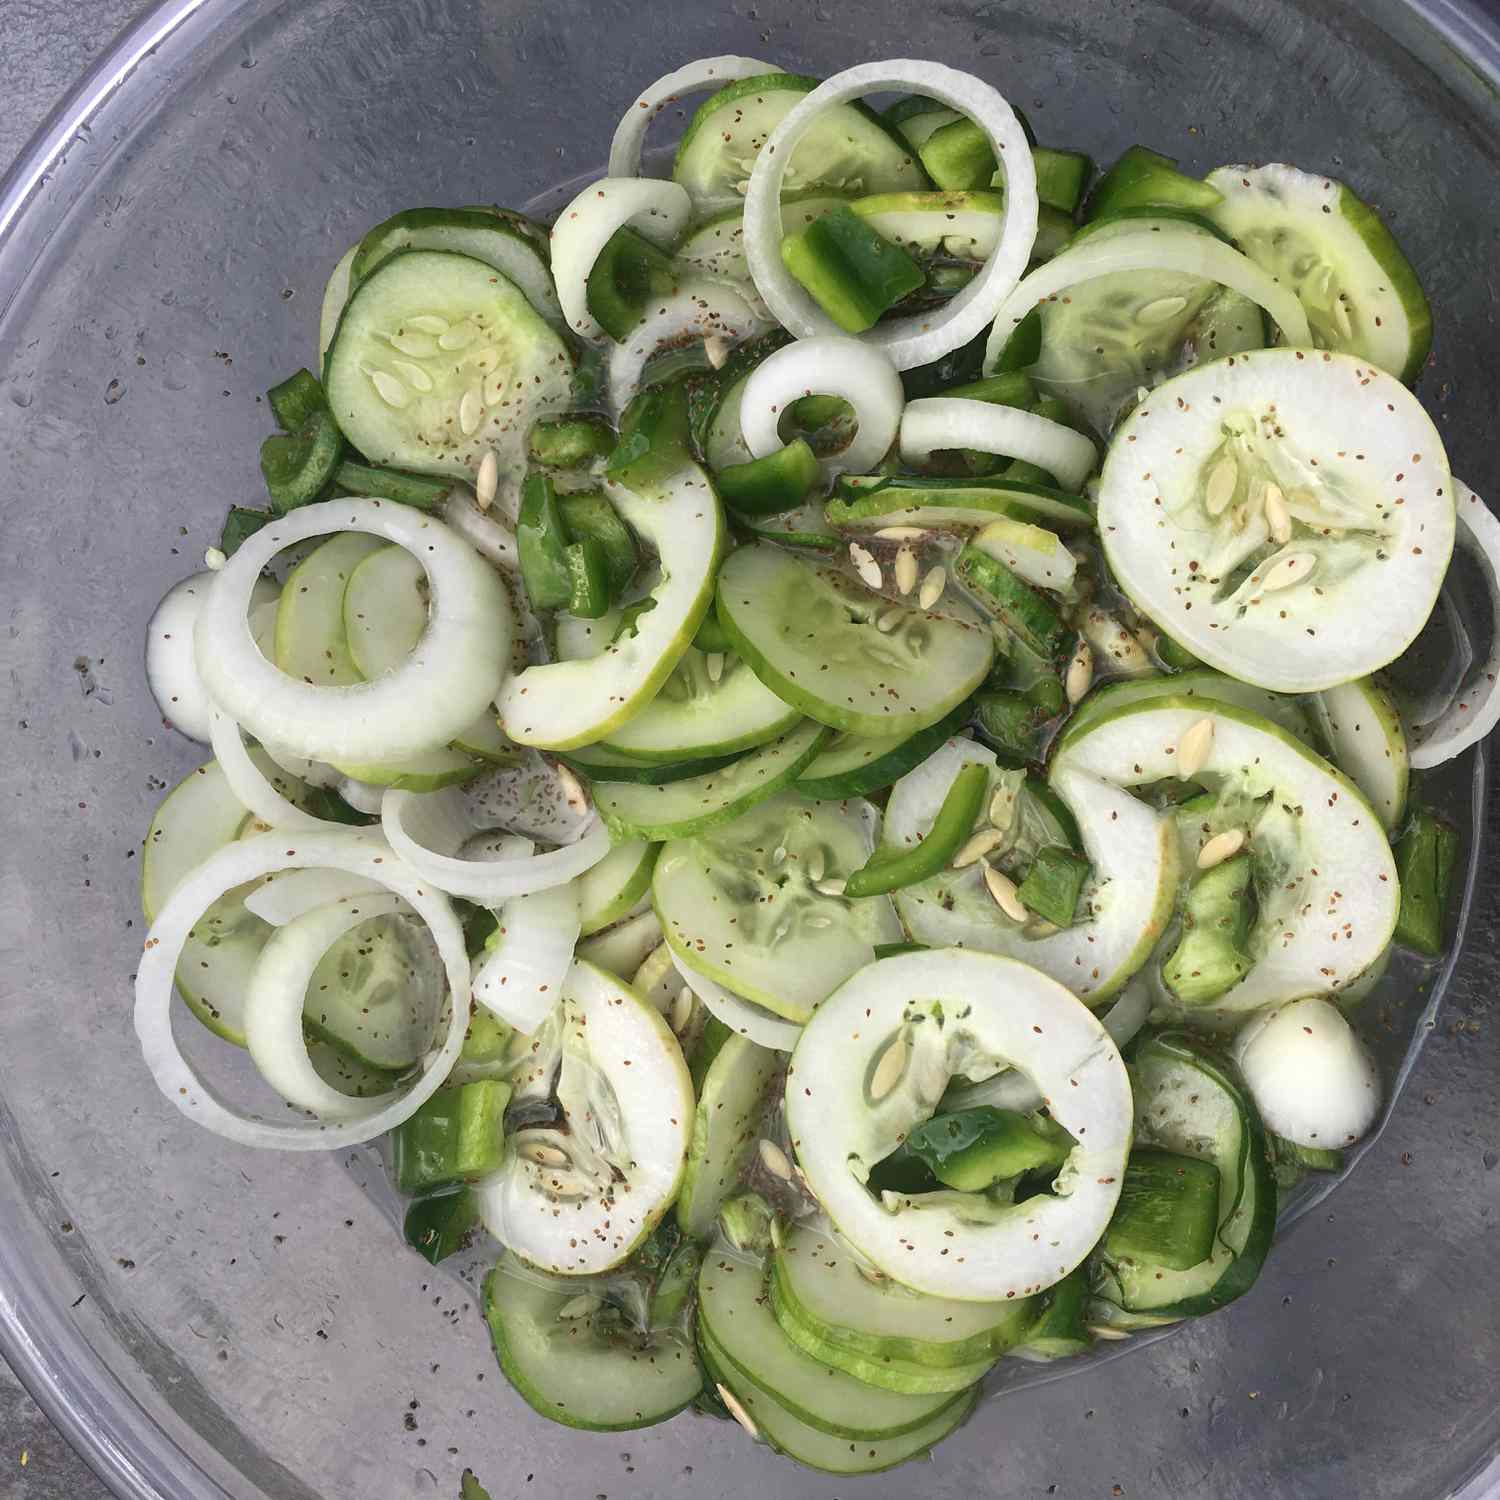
<point>569,442</point>
<point>767,486</point>
<point>590,516</point>
<point>542,544</point>
<point>239,525</point>
<point>629,272</point>
<point>437,1226</point>
<point>854,273</point>
<point>958,157</point>
<point>1147,179</point>
<point>891,870</point>
<point>296,466</point>
<point>1168,1210</point>
<point>419,490</point>
<point>295,400</point>
<point>1426,854</point>
<point>456,1136</point>
<point>654,438</point>
<point>1054,883</point>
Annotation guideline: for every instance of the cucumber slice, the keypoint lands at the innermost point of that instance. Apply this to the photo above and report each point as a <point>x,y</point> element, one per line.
<point>384,609</point>
<point>485,740</point>
<point>803,527</point>
<point>748,904</point>
<point>590,1370</point>
<point>623,948</point>
<point>609,891</point>
<point>871,502</point>
<point>1124,909</point>
<point>310,640</point>
<point>735,1014</point>
<point>1325,881</point>
<point>1113,334</point>
<point>1286,712</point>
<point>335,295</point>
<point>1190,1102</point>
<point>957,225</point>
<point>566,704</point>
<point>810,635</point>
<point>788,1434</point>
<point>848,151</point>
<point>600,764</point>
<point>822,1286</point>
<point>513,245</point>
<point>428,360</point>
<point>731,1101</point>
<point>577,1197</point>
<point>854,765</point>
<point>733,1308</point>
<point>680,809</point>
<point>1362,726</point>
<point>715,247</point>
<point>1349,472</point>
<point>873,1062</point>
<point>421,773</point>
<point>1311,233</point>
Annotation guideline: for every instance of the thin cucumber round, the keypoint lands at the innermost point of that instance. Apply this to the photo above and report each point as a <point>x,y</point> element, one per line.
<point>1309,231</point>
<point>853,765</point>
<point>848,151</point>
<point>623,947</point>
<point>437,359</point>
<point>589,1370</point>
<point>600,764</point>
<point>681,809</point>
<point>311,643</point>
<point>754,904</point>
<point>608,892</point>
<point>734,1309</point>
<point>384,609</point>
<point>731,1101</point>
<point>811,635</point>
<point>1362,727</point>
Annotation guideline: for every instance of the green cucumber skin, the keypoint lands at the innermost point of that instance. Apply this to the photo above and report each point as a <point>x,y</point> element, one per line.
<point>888,768</point>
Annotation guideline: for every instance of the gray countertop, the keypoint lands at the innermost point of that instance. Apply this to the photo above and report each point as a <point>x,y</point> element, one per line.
<point>48,44</point>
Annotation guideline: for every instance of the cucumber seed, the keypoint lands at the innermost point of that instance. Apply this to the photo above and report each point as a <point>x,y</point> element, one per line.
<point>888,1070</point>
<point>1219,488</point>
<point>735,1410</point>
<point>1003,889</point>
<point>1295,567</point>
<point>932,587</point>
<point>1194,748</point>
<point>1080,673</point>
<point>774,1160</point>
<point>906,568</point>
<point>488,481</point>
<point>977,847</point>
<point>1221,847</point>
<point>865,565</point>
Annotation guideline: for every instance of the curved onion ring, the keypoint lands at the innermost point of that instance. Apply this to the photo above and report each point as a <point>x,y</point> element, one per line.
<point>655,209</point>
<point>434,695</point>
<point>277,991</point>
<point>235,865</point>
<point>742,1017</point>
<point>428,828</point>
<point>280,899</point>
<point>1196,255</point>
<point>953,422</point>
<point>845,367</point>
<point>700,308</point>
<point>363,796</point>
<point>250,784</point>
<point>521,976</point>
<point>1476,709</point>
<point>926,336</point>
<point>487,532</point>
<point>702,74</point>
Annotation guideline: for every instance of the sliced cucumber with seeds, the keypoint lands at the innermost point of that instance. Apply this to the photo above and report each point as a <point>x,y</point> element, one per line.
<point>513,245</point>
<point>731,1101</point>
<point>733,1307</point>
<point>1362,725</point>
<point>437,359</point>
<point>1311,233</point>
<point>1112,334</point>
<point>849,150</point>
<point>821,1284</point>
<point>753,905</point>
<point>384,609</point>
<point>814,636</point>
<point>608,892</point>
<point>870,502</point>
<point>311,643</point>
<point>680,809</point>
<point>1289,488</point>
<point>853,765</point>
<point>623,948</point>
<point>573,1356</point>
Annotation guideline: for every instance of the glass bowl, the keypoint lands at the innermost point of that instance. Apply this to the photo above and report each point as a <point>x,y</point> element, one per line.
<point>206,1321</point>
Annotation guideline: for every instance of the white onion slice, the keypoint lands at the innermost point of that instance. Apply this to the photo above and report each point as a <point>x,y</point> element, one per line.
<point>355,853</point>
<point>656,210</point>
<point>427,829</point>
<point>741,1016</point>
<point>363,796</point>
<point>436,693</point>
<point>277,993</point>
<point>171,673</point>
<point>520,976</point>
<point>696,77</point>
<point>283,898</point>
<point>1193,255</point>
<point>925,336</point>
<point>250,784</point>
<point>700,308</point>
<point>1476,709</point>
<point>857,372</point>
<point>952,422</point>
<point>491,532</point>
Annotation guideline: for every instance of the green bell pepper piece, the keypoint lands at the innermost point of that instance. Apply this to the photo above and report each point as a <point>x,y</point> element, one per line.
<point>542,543</point>
<point>893,869</point>
<point>456,1136</point>
<point>853,273</point>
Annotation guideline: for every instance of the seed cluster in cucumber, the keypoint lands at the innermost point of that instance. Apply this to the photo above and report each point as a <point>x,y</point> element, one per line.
<point>844,704</point>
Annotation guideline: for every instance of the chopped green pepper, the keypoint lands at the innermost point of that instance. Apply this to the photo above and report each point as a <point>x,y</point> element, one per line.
<point>1217,915</point>
<point>1426,854</point>
<point>588,515</point>
<point>970,1150</point>
<point>295,400</point>
<point>893,869</point>
<point>629,272</point>
<point>297,466</point>
<point>1147,179</point>
<point>1054,883</point>
<point>570,442</point>
<point>853,273</point>
<point>440,1224</point>
<point>711,635</point>
<point>588,575</point>
<point>654,438</point>
<point>767,486</point>
<point>1011,722</point>
<point>420,490</point>
<point>1024,346</point>
<point>239,525</point>
<point>1012,388</point>
<point>959,158</point>
<point>1059,1330</point>
<point>457,1135</point>
<point>1168,1210</point>
<point>542,543</point>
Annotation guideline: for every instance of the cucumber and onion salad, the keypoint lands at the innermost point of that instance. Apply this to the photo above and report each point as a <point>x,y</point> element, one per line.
<point>809,743</point>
